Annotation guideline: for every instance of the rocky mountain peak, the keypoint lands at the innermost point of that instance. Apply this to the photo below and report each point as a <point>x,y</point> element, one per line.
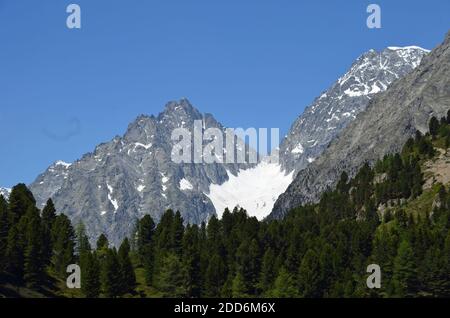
<point>389,119</point>
<point>371,73</point>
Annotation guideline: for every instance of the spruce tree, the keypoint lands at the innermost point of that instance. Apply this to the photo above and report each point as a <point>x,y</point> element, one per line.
<point>20,200</point>
<point>15,253</point>
<point>268,273</point>
<point>110,274</point>
<point>434,126</point>
<point>308,275</point>
<point>33,255</point>
<point>145,246</point>
<point>102,242</point>
<point>215,276</point>
<point>48,217</point>
<point>239,288</point>
<point>191,262</point>
<point>82,240</point>
<point>177,233</point>
<point>284,286</point>
<point>90,276</point>
<point>170,279</point>
<point>404,271</point>
<point>127,282</point>
<point>63,241</point>
<point>4,229</point>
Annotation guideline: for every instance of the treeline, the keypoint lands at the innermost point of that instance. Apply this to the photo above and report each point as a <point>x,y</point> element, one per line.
<point>319,250</point>
<point>37,245</point>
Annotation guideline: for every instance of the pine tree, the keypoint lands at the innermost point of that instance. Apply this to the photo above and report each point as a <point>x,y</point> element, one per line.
<point>127,276</point>
<point>215,276</point>
<point>63,237</point>
<point>20,200</point>
<point>284,286</point>
<point>102,242</point>
<point>308,275</point>
<point>48,217</point>
<point>404,271</point>
<point>145,246</point>
<point>434,126</point>
<point>268,273</point>
<point>171,276</point>
<point>90,276</point>
<point>33,255</point>
<point>191,262</point>
<point>4,229</point>
<point>239,289</point>
<point>82,240</point>
<point>177,233</point>
<point>15,253</point>
<point>110,274</point>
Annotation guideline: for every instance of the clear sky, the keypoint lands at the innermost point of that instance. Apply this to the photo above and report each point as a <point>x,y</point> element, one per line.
<point>252,63</point>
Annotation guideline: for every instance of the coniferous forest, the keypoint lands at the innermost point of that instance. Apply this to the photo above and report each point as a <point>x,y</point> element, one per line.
<point>383,215</point>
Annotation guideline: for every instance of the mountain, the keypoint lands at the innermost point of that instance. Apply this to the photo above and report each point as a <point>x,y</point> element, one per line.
<point>373,72</point>
<point>134,175</point>
<point>5,192</point>
<point>389,120</point>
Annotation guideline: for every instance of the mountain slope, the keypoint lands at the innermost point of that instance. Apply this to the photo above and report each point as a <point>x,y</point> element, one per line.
<point>373,72</point>
<point>391,117</point>
<point>134,175</point>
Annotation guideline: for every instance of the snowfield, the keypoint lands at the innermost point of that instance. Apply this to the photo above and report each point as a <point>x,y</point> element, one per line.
<point>255,190</point>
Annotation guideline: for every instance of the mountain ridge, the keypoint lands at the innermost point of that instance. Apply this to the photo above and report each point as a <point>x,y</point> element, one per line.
<point>390,118</point>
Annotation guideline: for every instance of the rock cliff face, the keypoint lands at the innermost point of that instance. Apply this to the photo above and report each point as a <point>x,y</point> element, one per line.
<point>134,175</point>
<point>389,120</point>
<point>372,73</point>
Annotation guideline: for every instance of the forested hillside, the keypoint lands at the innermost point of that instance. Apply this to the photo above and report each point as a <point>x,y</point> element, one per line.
<point>385,216</point>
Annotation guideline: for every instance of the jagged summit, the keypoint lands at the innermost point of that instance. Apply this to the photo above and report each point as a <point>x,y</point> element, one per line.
<point>390,119</point>
<point>372,72</point>
<point>133,175</point>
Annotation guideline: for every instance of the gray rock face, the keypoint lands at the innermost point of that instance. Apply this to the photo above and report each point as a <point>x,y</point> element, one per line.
<point>133,175</point>
<point>389,120</point>
<point>372,73</point>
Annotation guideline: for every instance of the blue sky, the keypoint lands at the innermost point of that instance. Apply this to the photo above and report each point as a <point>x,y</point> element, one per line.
<point>252,63</point>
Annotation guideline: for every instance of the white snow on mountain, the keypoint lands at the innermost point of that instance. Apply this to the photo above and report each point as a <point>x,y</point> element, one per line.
<point>185,185</point>
<point>411,47</point>
<point>5,192</point>
<point>110,198</point>
<point>255,190</point>
<point>62,163</point>
<point>298,150</point>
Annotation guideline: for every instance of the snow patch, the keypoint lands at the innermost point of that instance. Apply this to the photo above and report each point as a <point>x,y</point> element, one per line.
<point>255,190</point>
<point>138,144</point>
<point>411,47</point>
<point>164,180</point>
<point>185,185</point>
<point>111,199</point>
<point>298,150</point>
<point>62,163</point>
